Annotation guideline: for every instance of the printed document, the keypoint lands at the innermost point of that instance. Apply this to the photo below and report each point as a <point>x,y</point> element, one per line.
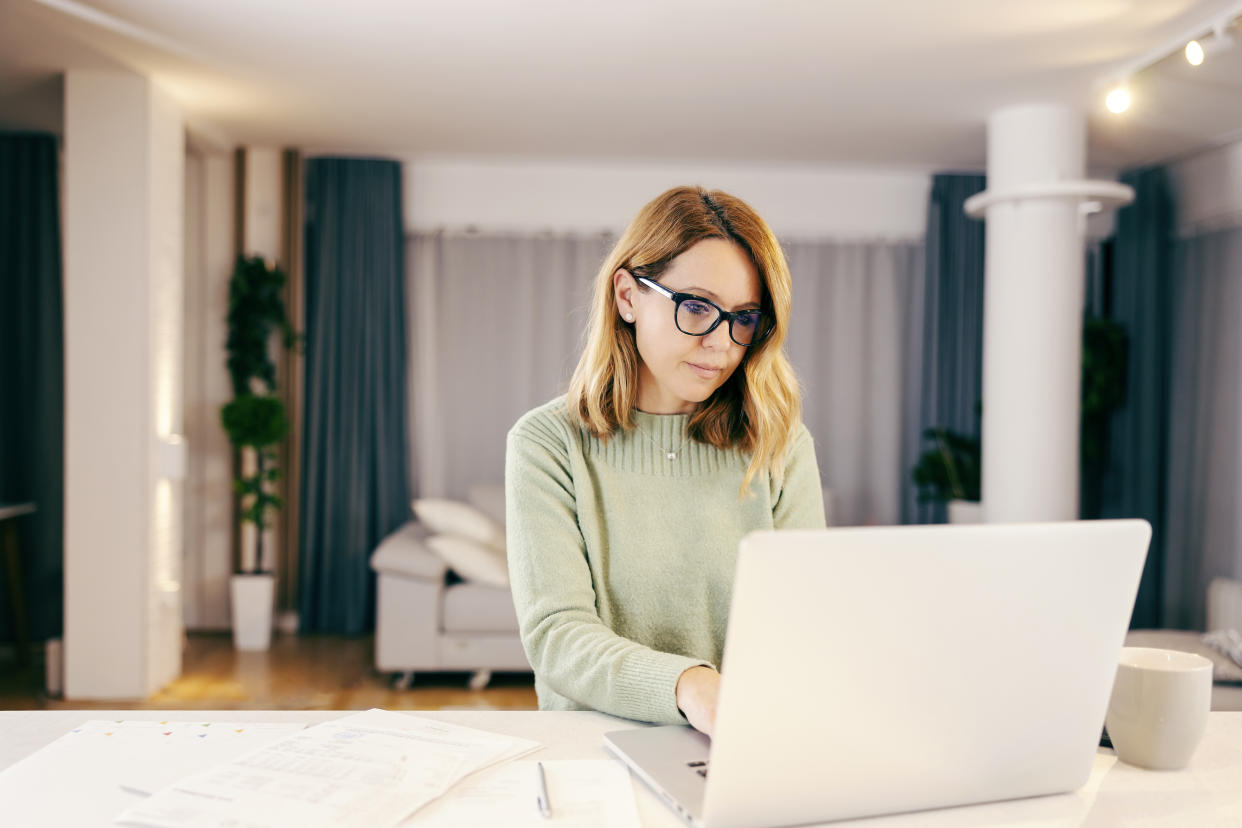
<point>368,770</point>
<point>96,770</point>
<point>584,793</point>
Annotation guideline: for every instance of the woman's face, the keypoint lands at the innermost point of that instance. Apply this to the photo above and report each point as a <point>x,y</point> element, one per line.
<point>677,371</point>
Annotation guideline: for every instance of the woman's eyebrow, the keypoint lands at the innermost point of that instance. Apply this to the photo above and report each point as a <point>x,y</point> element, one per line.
<point>710,295</point>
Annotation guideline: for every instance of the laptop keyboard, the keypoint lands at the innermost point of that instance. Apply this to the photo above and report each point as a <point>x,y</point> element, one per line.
<point>699,767</point>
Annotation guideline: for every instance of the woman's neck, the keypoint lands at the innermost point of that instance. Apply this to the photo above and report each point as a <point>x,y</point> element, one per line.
<point>657,408</point>
<point>655,400</point>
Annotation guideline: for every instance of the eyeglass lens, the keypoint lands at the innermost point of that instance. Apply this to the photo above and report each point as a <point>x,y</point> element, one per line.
<point>696,318</point>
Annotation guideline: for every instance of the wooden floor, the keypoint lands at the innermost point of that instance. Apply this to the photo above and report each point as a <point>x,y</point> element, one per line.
<point>315,672</point>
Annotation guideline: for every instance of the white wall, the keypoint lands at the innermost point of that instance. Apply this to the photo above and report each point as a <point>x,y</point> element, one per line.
<point>209,208</point>
<point>263,219</point>
<point>1207,190</point>
<point>122,294</point>
<point>35,105</point>
<point>209,472</point>
<point>262,227</point>
<point>589,196</point>
<point>797,201</point>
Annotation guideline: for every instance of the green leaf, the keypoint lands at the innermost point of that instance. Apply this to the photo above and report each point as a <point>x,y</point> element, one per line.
<point>255,421</point>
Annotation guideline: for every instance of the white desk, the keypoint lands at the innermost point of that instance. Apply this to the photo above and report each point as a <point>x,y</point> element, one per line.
<point>1208,793</point>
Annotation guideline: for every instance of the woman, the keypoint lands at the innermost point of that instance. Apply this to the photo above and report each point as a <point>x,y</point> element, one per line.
<point>680,433</point>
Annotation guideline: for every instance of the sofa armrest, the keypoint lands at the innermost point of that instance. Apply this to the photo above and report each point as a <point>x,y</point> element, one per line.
<point>1224,604</point>
<point>404,553</point>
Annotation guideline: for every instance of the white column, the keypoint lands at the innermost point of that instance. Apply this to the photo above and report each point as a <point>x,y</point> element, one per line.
<point>123,162</point>
<point>1033,302</point>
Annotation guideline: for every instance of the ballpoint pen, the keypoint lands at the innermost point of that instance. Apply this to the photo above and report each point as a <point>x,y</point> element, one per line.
<point>541,795</point>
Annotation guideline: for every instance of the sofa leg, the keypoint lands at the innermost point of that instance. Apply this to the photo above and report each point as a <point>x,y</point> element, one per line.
<point>480,679</point>
<point>403,681</point>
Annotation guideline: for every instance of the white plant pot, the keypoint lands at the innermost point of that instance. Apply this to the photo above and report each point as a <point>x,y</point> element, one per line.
<point>965,511</point>
<point>252,611</point>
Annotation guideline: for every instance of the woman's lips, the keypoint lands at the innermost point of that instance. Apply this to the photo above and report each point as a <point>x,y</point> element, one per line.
<point>704,371</point>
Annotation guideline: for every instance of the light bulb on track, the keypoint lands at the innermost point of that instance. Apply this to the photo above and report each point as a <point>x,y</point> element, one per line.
<point>1118,100</point>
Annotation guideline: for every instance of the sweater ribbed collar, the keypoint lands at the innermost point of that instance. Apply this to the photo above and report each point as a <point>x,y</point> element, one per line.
<point>665,433</point>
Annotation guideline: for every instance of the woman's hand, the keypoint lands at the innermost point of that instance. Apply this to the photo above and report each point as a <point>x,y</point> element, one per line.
<point>696,693</point>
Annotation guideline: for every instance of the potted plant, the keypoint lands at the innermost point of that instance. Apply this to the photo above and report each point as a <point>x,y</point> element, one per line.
<point>950,472</point>
<point>255,422</point>
<point>1105,352</point>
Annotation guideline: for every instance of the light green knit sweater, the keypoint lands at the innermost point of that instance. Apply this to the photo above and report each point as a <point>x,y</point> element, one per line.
<point>622,560</point>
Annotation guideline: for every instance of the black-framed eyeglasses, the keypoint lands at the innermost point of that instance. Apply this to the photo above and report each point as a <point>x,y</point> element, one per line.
<point>696,316</point>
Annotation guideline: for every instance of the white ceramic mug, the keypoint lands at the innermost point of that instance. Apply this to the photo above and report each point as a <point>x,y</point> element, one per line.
<point>1159,707</point>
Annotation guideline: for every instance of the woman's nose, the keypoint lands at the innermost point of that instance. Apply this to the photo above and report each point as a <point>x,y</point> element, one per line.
<point>719,338</point>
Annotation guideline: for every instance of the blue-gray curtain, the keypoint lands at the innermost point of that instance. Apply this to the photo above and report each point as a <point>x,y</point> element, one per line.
<point>1134,483</point>
<point>32,372</point>
<point>1098,270</point>
<point>355,475</point>
<point>1203,536</point>
<point>953,321</point>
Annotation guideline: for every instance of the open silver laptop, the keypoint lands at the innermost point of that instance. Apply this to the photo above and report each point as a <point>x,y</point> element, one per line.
<point>880,670</point>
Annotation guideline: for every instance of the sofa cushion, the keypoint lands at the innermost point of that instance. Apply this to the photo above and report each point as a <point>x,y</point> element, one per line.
<point>488,498</point>
<point>470,559</point>
<point>404,552</point>
<point>1224,669</point>
<point>453,517</point>
<point>470,607</point>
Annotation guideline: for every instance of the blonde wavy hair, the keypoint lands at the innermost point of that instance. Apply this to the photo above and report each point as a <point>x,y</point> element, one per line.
<point>758,408</point>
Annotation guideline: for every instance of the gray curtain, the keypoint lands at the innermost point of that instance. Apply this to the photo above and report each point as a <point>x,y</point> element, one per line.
<point>32,372</point>
<point>508,311</point>
<point>355,474</point>
<point>496,324</point>
<point>1203,532</point>
<point>953,329</point>
<point>855,339</point>
<point>1135,472</point>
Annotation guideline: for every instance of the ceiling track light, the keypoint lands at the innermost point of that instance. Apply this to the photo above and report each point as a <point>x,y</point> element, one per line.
<point>1118,98</point>
<point>1195,53</point>
<point>1200,49</point>
<point>1197,44</point>
<point>1221,40</point>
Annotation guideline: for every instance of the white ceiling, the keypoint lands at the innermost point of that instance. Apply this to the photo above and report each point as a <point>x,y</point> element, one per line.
<point>895,83</point>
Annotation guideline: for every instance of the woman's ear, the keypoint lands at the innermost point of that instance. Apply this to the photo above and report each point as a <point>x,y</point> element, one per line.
<point>623,287</point>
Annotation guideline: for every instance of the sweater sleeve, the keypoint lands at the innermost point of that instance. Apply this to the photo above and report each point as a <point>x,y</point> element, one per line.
<point>799,501</point>
<point>569,646</point>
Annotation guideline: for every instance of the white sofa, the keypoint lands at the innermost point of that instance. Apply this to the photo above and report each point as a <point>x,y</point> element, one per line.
<point>425,623</point>
<point>1224,612</point>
